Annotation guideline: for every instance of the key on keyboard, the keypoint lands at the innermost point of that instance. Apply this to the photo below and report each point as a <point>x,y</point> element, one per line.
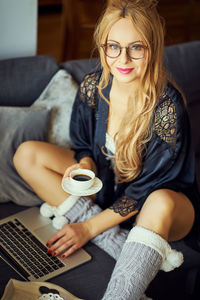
<point>27,250</point>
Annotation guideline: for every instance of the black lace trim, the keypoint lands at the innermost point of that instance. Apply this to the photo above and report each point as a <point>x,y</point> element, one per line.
<point>124,206</point>
<point>165,122</point>
<point>88,88</point>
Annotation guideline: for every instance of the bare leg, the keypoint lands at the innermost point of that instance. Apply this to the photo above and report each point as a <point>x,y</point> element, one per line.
<point>167,213</point>
<point>42,166</point>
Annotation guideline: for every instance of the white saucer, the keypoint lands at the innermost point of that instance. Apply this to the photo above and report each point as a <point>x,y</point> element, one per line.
<point>96,187</point>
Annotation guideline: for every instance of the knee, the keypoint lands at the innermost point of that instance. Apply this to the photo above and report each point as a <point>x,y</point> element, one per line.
<point>24,155</point>
<point>158,212</point>
<point>159,203</point>
<point>162,202</point>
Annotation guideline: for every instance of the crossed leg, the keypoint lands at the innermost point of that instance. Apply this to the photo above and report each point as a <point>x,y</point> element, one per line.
<point>42,166</point>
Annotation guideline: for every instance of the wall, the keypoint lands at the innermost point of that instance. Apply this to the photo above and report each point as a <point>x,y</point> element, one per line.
<point>18,28</point>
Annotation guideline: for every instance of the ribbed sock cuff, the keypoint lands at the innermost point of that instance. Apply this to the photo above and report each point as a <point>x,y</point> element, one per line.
<point>64,207</point>
<point>171,258</point>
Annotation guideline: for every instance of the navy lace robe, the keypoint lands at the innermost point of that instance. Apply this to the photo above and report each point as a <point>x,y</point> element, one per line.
<point>169,159</point>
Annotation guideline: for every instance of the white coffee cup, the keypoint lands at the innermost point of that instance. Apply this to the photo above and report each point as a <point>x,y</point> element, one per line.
<point>81,179</point>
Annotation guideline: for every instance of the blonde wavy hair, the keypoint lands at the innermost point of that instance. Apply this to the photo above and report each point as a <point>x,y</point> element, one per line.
<point>135,130</point>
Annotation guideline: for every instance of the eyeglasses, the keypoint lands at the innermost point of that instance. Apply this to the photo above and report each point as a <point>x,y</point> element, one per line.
<point>135,50</point>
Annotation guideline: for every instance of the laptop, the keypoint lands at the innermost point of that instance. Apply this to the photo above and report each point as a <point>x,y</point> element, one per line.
<point>22,245</point>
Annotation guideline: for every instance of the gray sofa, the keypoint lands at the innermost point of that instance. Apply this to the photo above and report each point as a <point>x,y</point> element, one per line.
<point>22,82</point>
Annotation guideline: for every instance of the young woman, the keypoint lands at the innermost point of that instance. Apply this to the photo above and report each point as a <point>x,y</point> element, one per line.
<point>130,126</point>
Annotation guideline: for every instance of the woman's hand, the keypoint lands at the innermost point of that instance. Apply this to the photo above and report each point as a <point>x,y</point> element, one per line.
<point>69,239</point>
<point>75,167</point>
<point>85,163</point>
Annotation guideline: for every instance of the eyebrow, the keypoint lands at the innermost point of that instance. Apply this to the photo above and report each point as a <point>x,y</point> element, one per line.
<point>128,44</point>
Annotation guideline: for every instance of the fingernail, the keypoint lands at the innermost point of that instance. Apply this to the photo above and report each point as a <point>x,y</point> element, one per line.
<point>54,254</point>
<point>63,256</point>
<point>47,244</point>
<point>49,251</point>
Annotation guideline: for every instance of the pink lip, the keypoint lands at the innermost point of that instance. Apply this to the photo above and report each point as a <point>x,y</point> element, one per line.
<point>125,71</point>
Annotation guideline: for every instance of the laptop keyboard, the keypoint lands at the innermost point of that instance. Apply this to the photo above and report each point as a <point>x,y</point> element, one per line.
<point>27,250</point>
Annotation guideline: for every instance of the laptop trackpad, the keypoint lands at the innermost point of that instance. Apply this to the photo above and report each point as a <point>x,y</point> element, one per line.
<point>45,232</point>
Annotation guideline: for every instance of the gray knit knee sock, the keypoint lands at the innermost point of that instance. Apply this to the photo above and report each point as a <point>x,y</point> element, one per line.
<point>143,255</point>
<point>82,210</point>
<point>137,266</point>
<point>111,240</point>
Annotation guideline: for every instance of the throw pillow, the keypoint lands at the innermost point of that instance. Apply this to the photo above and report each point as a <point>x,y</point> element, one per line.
<point>59,94</point>
<point>19,124</point>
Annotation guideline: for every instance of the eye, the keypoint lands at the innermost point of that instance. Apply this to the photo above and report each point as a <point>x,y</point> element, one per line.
<point>113,46</point>
<point>136,47</point>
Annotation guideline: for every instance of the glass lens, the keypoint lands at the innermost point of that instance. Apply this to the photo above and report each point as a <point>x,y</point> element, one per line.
<point>136,51</point>
<point>112,50</point>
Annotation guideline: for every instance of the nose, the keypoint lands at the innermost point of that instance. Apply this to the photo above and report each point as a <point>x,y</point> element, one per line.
<point>124,58</point>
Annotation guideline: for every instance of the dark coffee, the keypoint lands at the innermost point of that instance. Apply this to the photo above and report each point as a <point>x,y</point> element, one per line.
<point>81,177</point>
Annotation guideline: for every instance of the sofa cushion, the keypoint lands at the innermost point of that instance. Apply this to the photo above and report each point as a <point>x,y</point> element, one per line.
<point>182,62</point>
<point>59,94</point>
<point>23,79</point>
<point>19,124</point>
<point>80,67</point>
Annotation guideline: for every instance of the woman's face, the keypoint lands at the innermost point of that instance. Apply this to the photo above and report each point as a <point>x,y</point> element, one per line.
<point>124,68</point>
